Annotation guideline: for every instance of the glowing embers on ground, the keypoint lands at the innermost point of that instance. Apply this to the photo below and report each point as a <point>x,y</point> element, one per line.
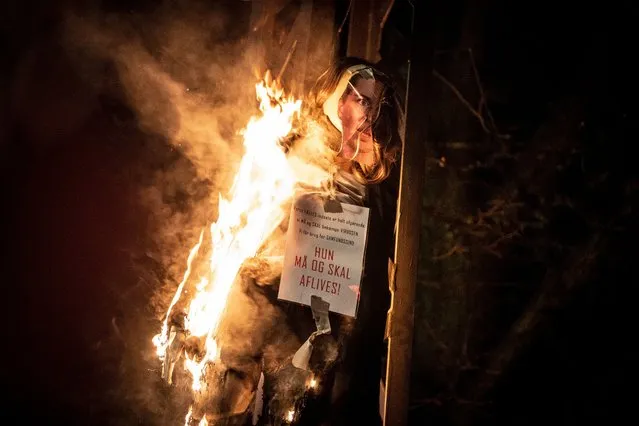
<point>264,183</point>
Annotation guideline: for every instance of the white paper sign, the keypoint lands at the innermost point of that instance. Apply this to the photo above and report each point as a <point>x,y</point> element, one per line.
<point>324,254</point>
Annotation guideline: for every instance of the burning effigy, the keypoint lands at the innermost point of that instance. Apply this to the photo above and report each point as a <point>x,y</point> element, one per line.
<point>257,203</point>
<point>282,299</point>
<point>291,234</point>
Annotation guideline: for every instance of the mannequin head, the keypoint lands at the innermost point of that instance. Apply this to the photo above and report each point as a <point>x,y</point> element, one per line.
<point>360,102</point>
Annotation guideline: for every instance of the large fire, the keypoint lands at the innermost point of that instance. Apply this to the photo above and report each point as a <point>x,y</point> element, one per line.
<point>265,182</point>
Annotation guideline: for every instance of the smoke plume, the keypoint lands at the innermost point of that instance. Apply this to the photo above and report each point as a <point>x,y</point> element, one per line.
<point>187,72</point>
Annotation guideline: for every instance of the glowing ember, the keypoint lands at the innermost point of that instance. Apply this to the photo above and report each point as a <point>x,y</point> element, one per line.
<point>313,383</point>
<point>202,422</point>
<point>265,182</point>
<point>290,416</point>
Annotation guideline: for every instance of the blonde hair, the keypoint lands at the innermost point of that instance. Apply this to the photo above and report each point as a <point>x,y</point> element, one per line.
<point>385,126</point>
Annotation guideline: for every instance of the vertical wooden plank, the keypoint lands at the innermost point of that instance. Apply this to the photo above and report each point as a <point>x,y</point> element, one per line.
<point>322,46</point>
<point>409,222</point>
<point>366,22</point>
<point>360,22</point>
<point>298,50</point>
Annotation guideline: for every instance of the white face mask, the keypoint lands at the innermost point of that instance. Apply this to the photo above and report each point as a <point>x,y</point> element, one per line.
<point>351,109</point>
<point>331,105</point>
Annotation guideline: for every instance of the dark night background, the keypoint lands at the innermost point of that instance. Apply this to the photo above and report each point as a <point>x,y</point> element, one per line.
<point>524,313</point>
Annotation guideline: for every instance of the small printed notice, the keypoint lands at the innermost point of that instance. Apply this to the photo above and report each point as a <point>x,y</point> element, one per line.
<point>324,254</point>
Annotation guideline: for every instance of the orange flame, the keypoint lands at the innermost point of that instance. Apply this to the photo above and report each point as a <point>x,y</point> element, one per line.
<point>264,183</point>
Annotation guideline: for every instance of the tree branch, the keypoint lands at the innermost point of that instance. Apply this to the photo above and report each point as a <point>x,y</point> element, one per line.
<point>483,100</point>
<point>463,100</point>
<point>457,248</point>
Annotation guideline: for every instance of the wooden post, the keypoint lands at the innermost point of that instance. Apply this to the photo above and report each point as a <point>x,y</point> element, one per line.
<point>297,50</point>
<point>366,22</point>
<point>403,274</point>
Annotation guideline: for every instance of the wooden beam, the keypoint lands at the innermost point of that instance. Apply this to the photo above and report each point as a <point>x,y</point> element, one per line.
<point>300,51</point>
<point>366,21</point>
<point>404,271</point>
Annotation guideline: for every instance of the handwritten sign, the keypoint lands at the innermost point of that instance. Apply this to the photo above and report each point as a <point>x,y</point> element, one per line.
<point>324,254</point>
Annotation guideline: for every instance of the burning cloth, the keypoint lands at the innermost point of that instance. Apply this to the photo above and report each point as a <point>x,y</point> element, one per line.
<point>225,323</point>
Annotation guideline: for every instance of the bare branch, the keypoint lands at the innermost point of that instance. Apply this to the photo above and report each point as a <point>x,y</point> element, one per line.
<point>483,103</point>
<point>492,247</point>
<point>286,61</point>
<point>457,248</point>
<point>483,100</point>
<point>348,11</point>
<point>463,100</point>
<point>433,336</point>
